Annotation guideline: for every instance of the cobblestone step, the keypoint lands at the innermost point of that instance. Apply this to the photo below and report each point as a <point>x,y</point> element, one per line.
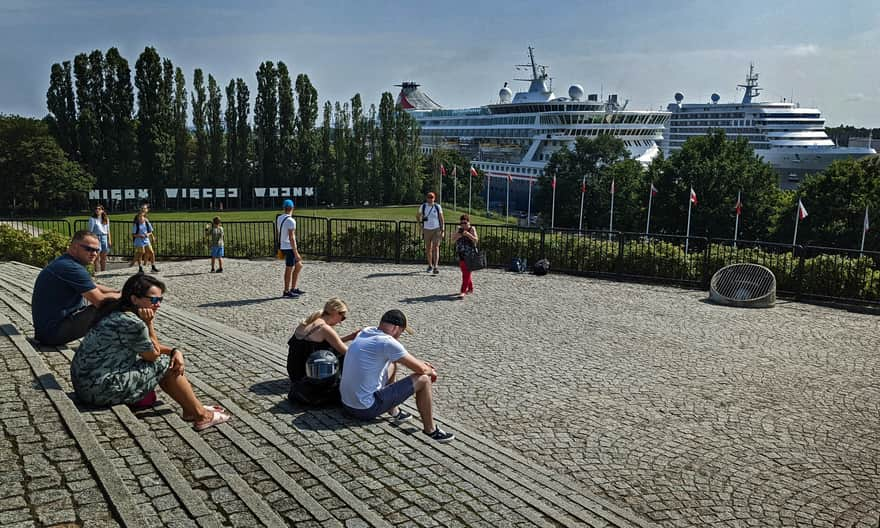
<point>386,474</point>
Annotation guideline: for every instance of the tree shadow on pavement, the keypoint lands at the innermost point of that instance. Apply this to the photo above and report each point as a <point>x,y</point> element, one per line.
<point>430,298</point>
<point>239,302</point>
<point>392,274</point>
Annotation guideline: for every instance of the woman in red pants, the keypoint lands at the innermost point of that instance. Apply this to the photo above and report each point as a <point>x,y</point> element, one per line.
<point>465,240</point>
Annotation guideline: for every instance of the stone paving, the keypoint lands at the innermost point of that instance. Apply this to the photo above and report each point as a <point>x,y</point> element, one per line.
<point>686,413</point>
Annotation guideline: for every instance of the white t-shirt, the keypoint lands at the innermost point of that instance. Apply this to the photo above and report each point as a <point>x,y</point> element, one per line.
<point>98,228</point>
<point>431,215</point>
<point>366,364</point>
<point>285,224</point>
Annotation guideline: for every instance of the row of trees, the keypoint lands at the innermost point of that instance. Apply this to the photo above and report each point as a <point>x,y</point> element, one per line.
<point>717,168</point>
<point>357,154</point>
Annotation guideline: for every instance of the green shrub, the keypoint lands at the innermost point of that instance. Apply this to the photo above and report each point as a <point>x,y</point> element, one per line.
<point>36,251</point>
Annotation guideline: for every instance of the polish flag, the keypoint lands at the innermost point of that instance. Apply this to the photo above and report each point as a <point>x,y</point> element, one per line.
<point>474,172</point>
<point>739,206</point>
<point>442,170</point>
<point>553,183</point>
<point>509,177</point>
<point>802,211</point>
<point>454,170</point>
<point>583,187</point>
<point>693,196</point>
<point>612,187</point>
<point>653,190</point>
<point>867,225</point>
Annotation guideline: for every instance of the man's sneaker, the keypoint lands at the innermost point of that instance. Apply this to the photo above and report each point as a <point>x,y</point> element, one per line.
<point>140,269</point>
<point>220,270</point>
<point>213,271</point>
<point>441,436</point>
<point>401,416</point>
<point>292,294</point>
<point>297,291</point>
<point>436,271</point>
<point>155,269</point>
<point>430,269</point>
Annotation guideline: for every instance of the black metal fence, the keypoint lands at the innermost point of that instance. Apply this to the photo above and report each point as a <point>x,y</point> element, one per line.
<point>805,272</point>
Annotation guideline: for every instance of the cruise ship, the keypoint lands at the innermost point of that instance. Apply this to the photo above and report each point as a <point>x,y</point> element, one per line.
<point>517,135</point>
<point>789,137</point>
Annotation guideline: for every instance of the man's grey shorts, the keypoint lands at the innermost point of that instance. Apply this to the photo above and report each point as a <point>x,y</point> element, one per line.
<point>386,398</point>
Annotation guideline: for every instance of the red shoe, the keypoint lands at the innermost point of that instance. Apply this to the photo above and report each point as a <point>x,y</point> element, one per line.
<point>146,402</point>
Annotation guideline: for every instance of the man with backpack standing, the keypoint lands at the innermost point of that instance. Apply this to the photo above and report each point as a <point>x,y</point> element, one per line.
<point>285,225</point>
<point>431,216</point>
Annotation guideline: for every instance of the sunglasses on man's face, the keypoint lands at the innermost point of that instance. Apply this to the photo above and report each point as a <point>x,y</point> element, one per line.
<point>90,249</point>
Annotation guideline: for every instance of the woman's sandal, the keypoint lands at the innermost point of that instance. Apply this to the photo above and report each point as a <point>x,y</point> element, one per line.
<point>209,408</point>
<point>217,418</point>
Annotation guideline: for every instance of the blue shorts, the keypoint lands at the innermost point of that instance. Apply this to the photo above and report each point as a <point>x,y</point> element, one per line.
<point>217,252</point>
<point>387,397</point>
<point>105,247</point>
<point>289,259</point>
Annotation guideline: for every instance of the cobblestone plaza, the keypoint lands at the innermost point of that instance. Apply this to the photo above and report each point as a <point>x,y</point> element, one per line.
<point>675,411</point>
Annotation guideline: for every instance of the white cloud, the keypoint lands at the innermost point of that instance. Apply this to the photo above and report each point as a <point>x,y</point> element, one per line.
<point>802,50</point>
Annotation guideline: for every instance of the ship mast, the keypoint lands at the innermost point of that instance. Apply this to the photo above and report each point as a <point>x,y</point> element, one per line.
<point>751,85</point>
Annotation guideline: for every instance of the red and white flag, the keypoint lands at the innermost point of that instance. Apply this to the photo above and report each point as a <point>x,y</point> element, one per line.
<point>693,196</point>
<point>802,211</point>
<point>442,170</point>
<point>612,187</point>
<point>473,171</point>
<point>509,177</point>
<point>653,190</point>
<point>739,206</point>
<point>553,183</point>
<point>454,170</point>
<point>583,187</point>
<point>867,225</point>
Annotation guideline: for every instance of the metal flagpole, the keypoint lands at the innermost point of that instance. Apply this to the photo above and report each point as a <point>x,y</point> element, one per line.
<point>507,205</point>
<point>797,220</point>
<point>688,234</point>
<point>440,190</point>
<point>553,205</point>
<point>470,195</point>
<point>611,220</point>
<point>864,231</point>
<point>650,201</point>
<point>454,188</point>
<point>583,192</point>
<point>529,213</point>
<point>488,190</point>
<point>738,210</point>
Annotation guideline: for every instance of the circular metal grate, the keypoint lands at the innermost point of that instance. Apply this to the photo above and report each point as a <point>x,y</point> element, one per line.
<point>746,285</point>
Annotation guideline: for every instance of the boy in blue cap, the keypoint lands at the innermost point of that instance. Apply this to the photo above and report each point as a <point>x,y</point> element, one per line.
<point>285,225</point>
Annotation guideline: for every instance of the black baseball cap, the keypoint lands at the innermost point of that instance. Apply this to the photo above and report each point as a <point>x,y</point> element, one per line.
<point>396,318</point>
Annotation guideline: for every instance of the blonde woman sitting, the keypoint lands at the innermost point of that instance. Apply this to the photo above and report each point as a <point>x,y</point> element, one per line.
<point>315,355</point>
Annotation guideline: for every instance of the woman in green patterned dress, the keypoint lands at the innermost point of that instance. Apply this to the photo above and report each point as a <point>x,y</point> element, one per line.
<point>121,360</point>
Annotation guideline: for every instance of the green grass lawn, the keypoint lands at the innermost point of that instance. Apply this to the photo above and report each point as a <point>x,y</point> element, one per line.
<point>398,212</point>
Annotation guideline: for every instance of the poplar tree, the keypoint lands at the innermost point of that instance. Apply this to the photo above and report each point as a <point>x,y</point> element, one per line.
<point>307,115</point>
<point>152,135</point>
<point>358,172</point>
<point>88,127</point>
<point>266,124</point>
<point>181,134</point>
<point>286,123</point>
<point>62,109</point>
<point>243,109</point>
<point>232,162</point>
<point>387,150</point>
<point>341,177</point>
<point>326,160</point>
<point>121,141</point>
<point>215,131</point>
<point>199,101</point>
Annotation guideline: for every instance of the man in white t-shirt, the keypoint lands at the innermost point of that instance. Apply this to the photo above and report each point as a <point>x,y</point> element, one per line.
<point>431,215</point>
<point>367,386</point>
<point>285,225</point>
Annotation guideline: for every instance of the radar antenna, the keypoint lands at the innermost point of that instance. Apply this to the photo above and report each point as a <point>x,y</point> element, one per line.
<point>751,85</point>
<point>534,67</point>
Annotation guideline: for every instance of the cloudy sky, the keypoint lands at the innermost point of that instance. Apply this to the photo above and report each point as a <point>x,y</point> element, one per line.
<point>823,54</point>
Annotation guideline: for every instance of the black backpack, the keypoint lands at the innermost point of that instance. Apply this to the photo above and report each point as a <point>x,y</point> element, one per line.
<point>541,267</point>
<point>518,265</point>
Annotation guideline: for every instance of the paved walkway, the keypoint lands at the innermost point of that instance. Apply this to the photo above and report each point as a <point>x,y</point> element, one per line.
<point>645,399</point>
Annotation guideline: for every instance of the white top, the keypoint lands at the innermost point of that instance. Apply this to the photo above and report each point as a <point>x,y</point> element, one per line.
<point>366,366</point>
<point>97,228</point>
<point>285,224</point>
<point>431,214</point>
